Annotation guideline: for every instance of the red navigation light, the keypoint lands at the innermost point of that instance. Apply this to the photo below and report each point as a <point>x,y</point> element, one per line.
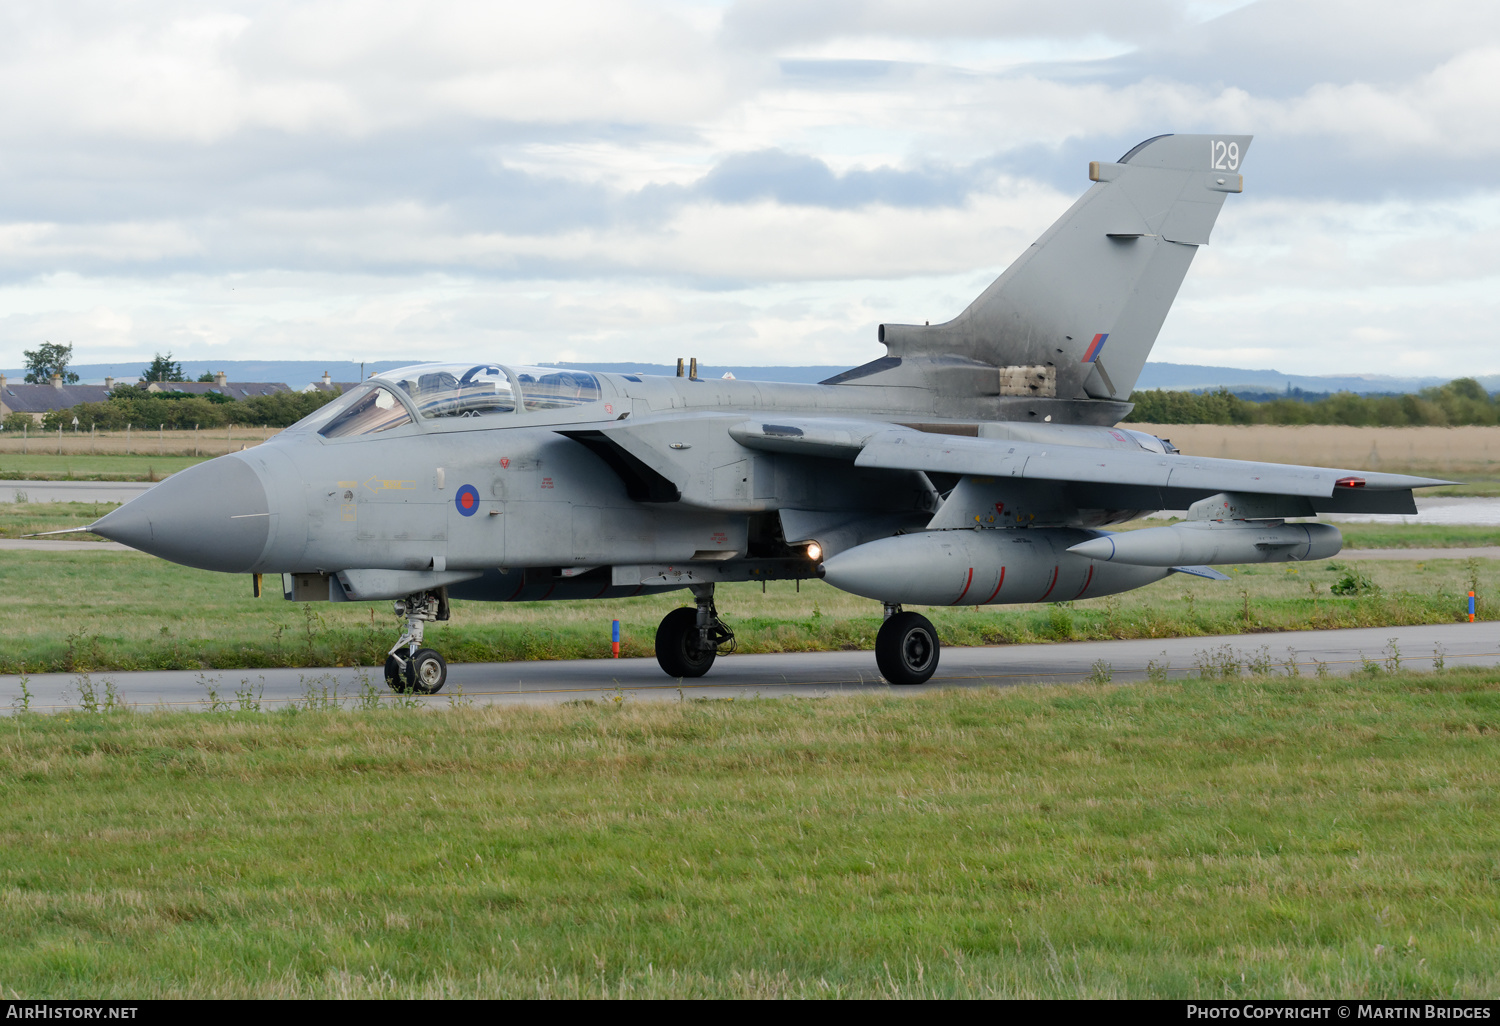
<point>1349,482</point>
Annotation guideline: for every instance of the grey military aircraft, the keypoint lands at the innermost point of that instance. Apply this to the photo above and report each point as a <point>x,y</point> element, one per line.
<point>978,462</point>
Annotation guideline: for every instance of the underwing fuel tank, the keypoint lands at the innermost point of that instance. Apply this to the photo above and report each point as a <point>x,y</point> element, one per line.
<point>977,568</point>
<point>1244,541</point>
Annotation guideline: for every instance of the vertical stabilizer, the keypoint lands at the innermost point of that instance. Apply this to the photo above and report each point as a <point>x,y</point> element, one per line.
<point>1079,311</point>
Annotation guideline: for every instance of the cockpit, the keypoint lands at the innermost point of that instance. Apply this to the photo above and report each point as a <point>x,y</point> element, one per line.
<point>441,391</point>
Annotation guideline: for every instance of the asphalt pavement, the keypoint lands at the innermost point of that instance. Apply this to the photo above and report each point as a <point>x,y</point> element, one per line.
<point>812,674</point>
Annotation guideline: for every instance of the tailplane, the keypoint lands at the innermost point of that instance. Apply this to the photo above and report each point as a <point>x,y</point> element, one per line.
<point>1076,315</point>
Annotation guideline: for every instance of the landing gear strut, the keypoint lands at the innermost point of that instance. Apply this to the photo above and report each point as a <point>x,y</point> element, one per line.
<point>688,639</point>
<point>906,649</point>
<point>410,667</point>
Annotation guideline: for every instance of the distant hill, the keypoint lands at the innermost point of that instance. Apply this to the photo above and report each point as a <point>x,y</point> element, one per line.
<point>1178,376</point>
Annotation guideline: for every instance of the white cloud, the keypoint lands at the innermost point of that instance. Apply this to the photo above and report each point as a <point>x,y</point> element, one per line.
<point>381,179</point>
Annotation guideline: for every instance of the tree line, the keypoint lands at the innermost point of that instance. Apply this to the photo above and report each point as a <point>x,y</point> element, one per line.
<point>1460,402</point>
<point>132,405</point>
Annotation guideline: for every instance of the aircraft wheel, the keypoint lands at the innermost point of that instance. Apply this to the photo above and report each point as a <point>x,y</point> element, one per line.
<point>395,678</point>
<point>677,648</point>
<point>426,672</point>
<point>906,649</point>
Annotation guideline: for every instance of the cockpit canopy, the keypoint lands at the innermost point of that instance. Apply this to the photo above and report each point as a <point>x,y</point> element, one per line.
<point>457,390</point>
<point>452,390</point>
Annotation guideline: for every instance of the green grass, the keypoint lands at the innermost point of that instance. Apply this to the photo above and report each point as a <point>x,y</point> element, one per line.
<point>18,519</point>
<point>1401,536</point>
<point>123,610</point>
<point>1261,837</point>
<point>51,467</point>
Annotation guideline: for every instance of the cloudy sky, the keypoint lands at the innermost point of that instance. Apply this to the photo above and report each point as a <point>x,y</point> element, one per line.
<point>756,182</point>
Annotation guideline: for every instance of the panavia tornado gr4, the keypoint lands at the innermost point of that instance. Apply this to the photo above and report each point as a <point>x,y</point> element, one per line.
<point>978,462</point>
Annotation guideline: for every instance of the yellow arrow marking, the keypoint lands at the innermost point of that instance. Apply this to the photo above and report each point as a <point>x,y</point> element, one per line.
<point>376,484</point>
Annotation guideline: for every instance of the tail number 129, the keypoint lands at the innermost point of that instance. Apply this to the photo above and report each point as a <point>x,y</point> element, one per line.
<point>1223,156</point>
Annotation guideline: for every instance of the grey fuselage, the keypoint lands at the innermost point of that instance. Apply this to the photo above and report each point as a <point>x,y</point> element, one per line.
<point>546,501</point>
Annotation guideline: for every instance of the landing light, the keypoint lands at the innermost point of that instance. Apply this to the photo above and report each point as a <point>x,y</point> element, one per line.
<point>815,551</point>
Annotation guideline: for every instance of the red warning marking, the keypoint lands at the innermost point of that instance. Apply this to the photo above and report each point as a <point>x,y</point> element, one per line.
<point>518,587</point>
<point>1086,582</point>
<point>997,588</point>
<point>1050,586</point>
<point>967,583</point>
<point>504,462</point>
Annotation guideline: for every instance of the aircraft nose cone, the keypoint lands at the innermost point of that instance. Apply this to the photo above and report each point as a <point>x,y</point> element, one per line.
<point>214,516</point>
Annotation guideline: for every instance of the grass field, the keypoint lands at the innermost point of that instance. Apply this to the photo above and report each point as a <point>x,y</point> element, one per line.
<point>18,519</point>
<point>55,455</point>
<point>1257,837</point>
<point>123,610</point>
<point>47,467</point>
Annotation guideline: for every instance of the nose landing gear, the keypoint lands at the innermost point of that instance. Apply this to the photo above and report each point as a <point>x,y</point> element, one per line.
<point>417,669</point>
<point>688,639</point>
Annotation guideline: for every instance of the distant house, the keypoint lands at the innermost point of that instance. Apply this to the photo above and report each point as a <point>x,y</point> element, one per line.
<point>329,385</point>
<point>40,400</point>
<point>220,385</point>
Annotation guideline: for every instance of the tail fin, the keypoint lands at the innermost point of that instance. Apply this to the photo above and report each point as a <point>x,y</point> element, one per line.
<point>1080,310</point>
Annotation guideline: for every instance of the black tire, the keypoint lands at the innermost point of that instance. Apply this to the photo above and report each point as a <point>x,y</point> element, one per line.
<point>395,675</point>
<point>677,649</point>
<point>426,672</point>
<point>906,649</point>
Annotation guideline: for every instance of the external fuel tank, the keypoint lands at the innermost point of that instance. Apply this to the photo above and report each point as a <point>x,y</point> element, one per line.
<point>976,568</point>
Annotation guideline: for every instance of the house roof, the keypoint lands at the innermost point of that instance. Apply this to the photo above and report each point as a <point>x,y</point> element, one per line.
<point>22,398</point>
<point>331,386</point>
<point>233,389</point>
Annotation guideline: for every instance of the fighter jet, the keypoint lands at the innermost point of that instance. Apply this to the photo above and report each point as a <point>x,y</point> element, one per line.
<point>978,462</point>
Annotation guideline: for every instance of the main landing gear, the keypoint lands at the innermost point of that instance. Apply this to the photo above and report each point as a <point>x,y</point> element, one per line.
<point>906,649</point>
<point>410,667</point>
<point>688,639</point>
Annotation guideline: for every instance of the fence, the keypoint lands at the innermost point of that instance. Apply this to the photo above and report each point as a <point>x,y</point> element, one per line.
<point>134,441</point>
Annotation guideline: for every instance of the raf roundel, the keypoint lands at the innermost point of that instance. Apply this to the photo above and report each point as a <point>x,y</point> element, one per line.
<point>467,500</point>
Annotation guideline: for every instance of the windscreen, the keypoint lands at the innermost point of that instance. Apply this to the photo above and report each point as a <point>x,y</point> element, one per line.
<point>374,411</point>
<point>329,410</point>
<point>456,390</point>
